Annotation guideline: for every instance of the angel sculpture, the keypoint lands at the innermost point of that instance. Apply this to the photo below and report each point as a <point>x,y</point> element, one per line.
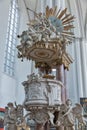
<point>10,117</point>
<point>68,114</point>
<point>13,116</point>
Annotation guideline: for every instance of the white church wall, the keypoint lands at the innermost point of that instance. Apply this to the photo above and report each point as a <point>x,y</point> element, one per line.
<point>7,84</point>
<point>84,9</point>
<point>72,78</point>
<point>71,75</point>
<point>77,76</point>
<point>8,90</point>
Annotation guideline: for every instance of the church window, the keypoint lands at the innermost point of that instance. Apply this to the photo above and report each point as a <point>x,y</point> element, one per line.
<point>11,38</point>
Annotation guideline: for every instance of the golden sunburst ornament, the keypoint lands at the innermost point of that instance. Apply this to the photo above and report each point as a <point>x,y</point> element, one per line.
<point>61,21</point>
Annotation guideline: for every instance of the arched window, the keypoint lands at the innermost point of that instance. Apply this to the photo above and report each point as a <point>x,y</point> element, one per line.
<point>12,29</point>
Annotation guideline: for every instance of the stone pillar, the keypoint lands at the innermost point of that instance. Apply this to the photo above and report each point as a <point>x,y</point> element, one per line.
<point>60,77</point>
<point>83,48</point>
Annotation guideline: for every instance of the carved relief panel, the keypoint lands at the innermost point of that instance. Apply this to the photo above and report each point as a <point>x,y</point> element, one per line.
<point>43,91</point>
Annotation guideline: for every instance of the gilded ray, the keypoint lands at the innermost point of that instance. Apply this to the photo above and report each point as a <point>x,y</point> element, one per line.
<point>67,23</point>
<point>69,19</point>
<point>51,12</point>
<point>62,13</point>
<point>47,11</point>
<point>54,11</point>
<point>68,27</point>
<point>58,12</point>
<point>70,33</point>
<point>66,16</point>
<point>68,36</point>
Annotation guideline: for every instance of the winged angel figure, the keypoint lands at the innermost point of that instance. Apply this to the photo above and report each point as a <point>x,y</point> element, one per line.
<point>68,114</point>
